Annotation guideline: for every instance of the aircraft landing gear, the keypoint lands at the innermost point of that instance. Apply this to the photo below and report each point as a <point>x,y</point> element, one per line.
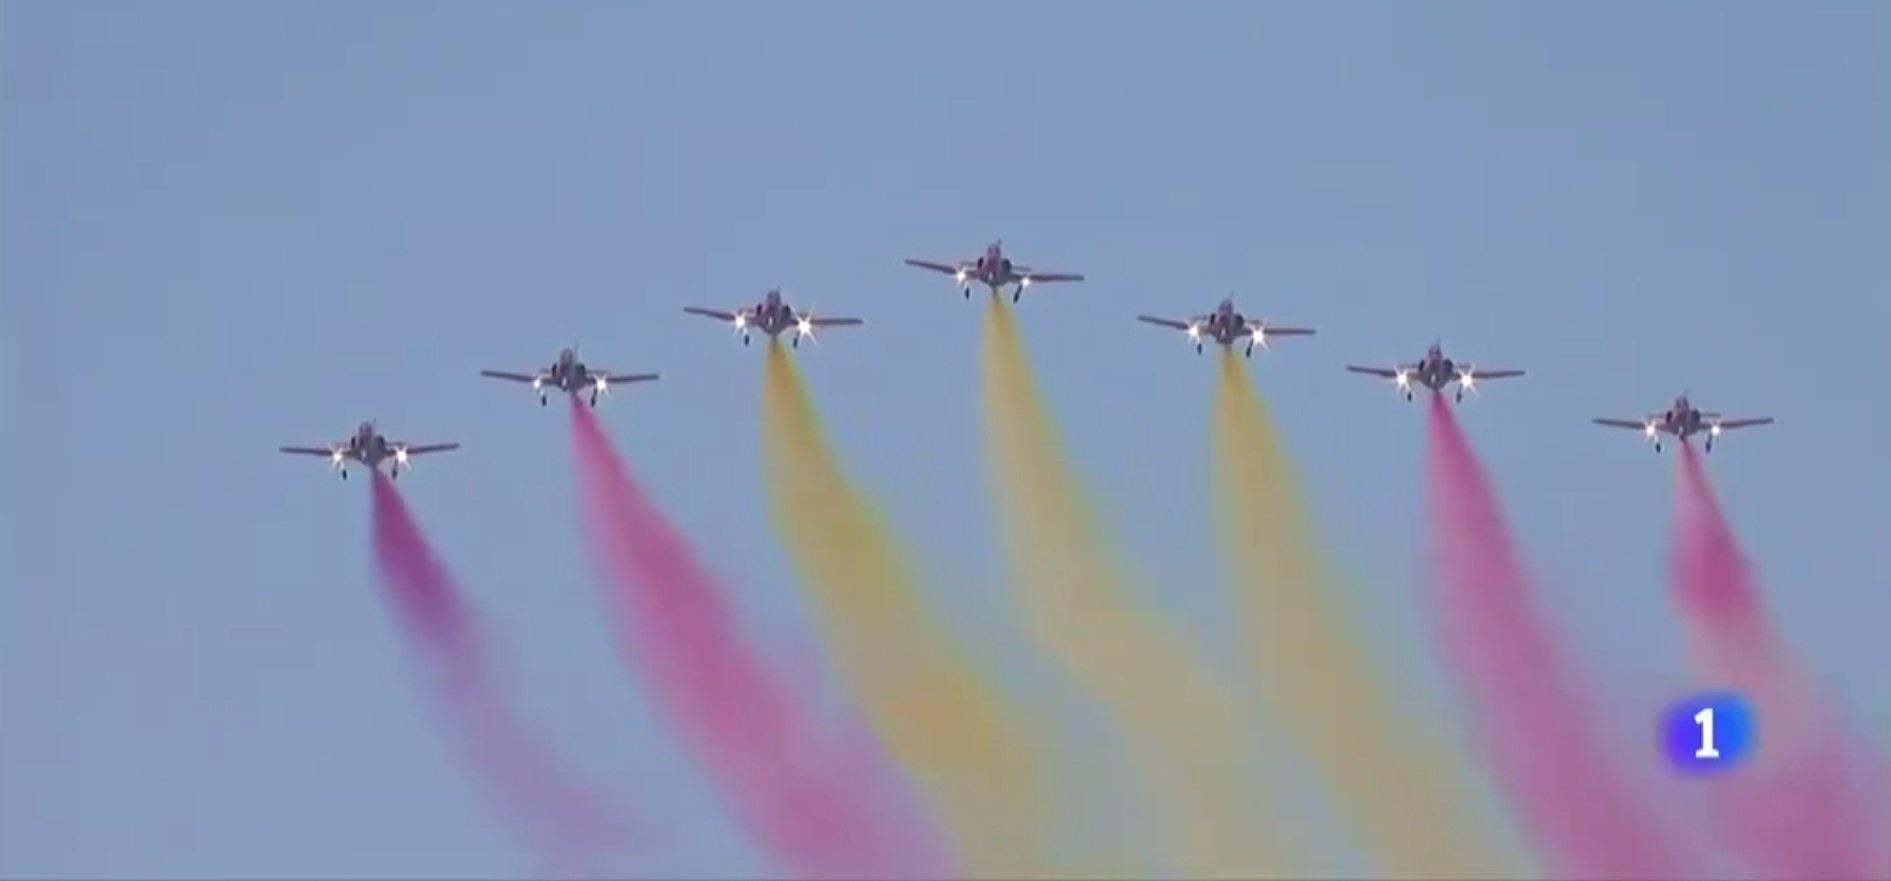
<point>541,400</point>
<point>745,339</point>
<point>594,399</point>
<point>1460,396</point>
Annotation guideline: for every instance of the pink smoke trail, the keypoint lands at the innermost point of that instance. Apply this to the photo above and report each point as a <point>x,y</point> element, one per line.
<point>1813,802</point>
<point>1530,710</point>
<point>566,823</point>
<point>824,806</point>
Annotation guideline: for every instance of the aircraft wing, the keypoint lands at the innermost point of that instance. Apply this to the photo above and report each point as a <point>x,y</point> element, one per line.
<point>1165,322</point>
<point>947,268</point>
<point>513,377</point>
<point>1037,277</point>
<point>1270,330</point>
<point>308,451</point>
<point>1635,424</point>
<point>1494,374</point>
<point>1386,372</point>
<point>621,378</point>
<point>1742,423</point>
<point>717,314</point>
<point>835,322</point>
<point>420,449</point>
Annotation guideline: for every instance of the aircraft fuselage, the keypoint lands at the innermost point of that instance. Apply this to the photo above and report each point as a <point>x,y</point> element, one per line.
<point>367,447</point>
<point>993,269</point>
<point>1682,422</point>
<point>1226,326</point>
<point>771,316</point>
<point>571,376</point>
<point>1435,372</point>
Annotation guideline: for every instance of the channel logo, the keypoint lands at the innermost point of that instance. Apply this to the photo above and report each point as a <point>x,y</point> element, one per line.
<point>1709,733</point>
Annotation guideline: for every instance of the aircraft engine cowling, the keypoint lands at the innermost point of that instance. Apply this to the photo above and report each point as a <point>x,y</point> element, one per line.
<point>1006,265</point>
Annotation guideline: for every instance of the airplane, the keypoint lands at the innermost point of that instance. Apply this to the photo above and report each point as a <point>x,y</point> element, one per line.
<point>772,316</point>
<point>571,375</point>
<point>1682,419</point>
<point>1435,372</point>
<point>994,270</point>
<point>1225,326</point>
<point>369,447</point>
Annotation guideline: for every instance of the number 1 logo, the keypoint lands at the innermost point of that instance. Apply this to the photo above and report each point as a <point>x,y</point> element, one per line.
<point>1707,733</point>
<point>1705,719</point>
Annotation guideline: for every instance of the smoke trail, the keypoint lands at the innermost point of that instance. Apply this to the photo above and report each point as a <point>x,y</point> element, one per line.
<point>1314,668</point>
<point>824,806</point>
<point>1530,711</point>
<point>1710,578</point>
<point>566,823</point>
<point>983,771</point>
<point>1813,802</point>
<point>1191,745</point>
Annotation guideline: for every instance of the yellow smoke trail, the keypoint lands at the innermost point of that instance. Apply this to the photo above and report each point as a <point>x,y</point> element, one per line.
<point>1314,670</point>
<point>1188,738</point>
<point>979,765</point>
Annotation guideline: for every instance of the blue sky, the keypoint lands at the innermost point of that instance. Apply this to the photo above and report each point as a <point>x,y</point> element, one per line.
<point>228,227</point>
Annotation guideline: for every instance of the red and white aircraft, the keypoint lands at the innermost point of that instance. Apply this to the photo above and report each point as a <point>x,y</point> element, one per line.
<point>1682,419</point>
<point>995,271</point>
<point>369,447</point>
<point>772,316</point>
<point>1227,326</point>
<point>568,374</point>
<point>1435,372</point>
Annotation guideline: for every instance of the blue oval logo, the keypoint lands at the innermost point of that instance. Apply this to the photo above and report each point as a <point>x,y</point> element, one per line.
<point>1709,732</point>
